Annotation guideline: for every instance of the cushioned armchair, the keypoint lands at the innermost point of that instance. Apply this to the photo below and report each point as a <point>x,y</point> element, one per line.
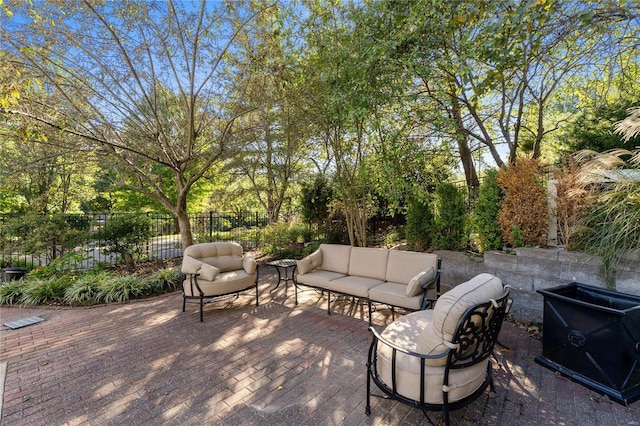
<point>438,359</point>
<point>217,269</point>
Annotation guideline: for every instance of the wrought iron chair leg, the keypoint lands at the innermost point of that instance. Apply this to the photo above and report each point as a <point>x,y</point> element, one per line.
<point>184,303</point>
<point>328,303</point>
<point>367,409</point>
<point>201,309</point>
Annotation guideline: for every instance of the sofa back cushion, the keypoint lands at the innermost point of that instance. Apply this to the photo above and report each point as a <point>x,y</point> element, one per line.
<point>449,309</point>
<point>335,257</point>
<point>403,266</point>
<point>224,255</point>
<point>368,262</point>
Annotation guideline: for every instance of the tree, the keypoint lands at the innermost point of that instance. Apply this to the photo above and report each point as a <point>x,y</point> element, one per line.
<point>277,129</point>
<point>147,86</point>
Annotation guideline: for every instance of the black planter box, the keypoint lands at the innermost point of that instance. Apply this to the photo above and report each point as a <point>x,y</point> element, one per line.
<point>592,336</point>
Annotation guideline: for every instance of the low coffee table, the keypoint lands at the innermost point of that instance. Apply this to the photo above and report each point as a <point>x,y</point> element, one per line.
<point>283,265</point>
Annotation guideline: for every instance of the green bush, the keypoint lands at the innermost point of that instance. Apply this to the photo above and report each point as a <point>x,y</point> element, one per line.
<point>42,235</point>
<point>121,289</point>
<point>123,234</point>
<point>286,240</point>
<point>166,279</point>
<point>46,290</point>
<point>485,213</point>
<point>11,292</point>
<point>315,201</point>
<point>451,216</point>
<point>420,225</point>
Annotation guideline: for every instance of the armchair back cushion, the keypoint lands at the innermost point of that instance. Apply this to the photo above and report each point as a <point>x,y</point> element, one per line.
<point>449,309</point>
<point>224,255</point>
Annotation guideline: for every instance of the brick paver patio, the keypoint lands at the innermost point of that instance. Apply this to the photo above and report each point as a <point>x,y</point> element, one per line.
<point>146,362</point>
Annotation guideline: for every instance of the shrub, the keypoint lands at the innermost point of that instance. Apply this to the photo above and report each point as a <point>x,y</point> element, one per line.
<point>420,225</point>
<point>286,240</point>
<point>123,234</point>
<point>84,290</point>
<point>485,213</point>
<point>120,289</point>
<point>450,217</point>
<point>11,292</point>
<point>38,291</point>
<point>524,204</point>
<point>165,279</point>
<point>44,235</point>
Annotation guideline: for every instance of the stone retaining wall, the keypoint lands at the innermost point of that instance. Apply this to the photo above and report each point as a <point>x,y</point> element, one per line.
<point>531,269</point>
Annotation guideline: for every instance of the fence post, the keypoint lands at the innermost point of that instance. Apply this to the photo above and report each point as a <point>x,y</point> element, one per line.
<point>210,223</point>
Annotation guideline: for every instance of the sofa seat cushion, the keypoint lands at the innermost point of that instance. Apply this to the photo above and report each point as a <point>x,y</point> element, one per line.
<point>395,294</point>
<point>225,282</point>
<point>404,332</point>
<point>318,277</point>
<point>354,286</point>
<point>451,306</point>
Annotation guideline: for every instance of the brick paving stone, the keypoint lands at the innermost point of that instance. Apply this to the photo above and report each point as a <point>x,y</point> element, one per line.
<point>147,362</point>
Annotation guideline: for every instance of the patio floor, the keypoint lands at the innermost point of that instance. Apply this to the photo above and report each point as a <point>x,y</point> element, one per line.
<point>147,362</point>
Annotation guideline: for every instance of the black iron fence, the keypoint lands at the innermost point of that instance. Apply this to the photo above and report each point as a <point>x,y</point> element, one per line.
<point>28,240</point>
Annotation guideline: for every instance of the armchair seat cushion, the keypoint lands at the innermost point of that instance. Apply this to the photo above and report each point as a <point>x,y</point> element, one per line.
<point>404,332</point>
<point>225,282</point>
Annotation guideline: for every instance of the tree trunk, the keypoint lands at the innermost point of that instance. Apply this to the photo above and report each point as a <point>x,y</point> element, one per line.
<point>461,138</point>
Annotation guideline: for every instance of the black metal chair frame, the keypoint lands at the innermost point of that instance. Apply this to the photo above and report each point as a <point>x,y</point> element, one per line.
<point>474,341</point>
<point>193,282</point>
<point>426,302</point>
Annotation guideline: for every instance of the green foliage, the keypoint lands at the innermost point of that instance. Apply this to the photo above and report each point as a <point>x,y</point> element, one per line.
<point>517,236</point>
<point>287,240</point>
<point>83,290</point>
<point>121,289</point>
<point>451,216</point>
<point>124,233</point>
<point>67,264</point>
<point>524,204</point>
<point>11,292</point>
<point>315,200</point>
<point>485,213</point>
<point>420,225</point>
<point>166,279</point>
<point>46,290</point>
<point>40,234</point>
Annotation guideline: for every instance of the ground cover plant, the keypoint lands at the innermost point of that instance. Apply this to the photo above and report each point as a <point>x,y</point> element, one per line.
<point>76,288</point>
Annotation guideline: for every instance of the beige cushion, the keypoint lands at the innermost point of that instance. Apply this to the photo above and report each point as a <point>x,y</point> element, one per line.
<point>309,263</point>
<point>225,282</point>
<point>249,264</point>
<point>402,266</point>
<point>404,332</point>
<point>368,262</point>
<point>208,272</point>
<point>190,265</point>
<point>449,309</point>
<point>353,285</point>
<point>224,255</point>
<point>335,257</point>
<point>318,278</point>
<point>395,294</point>
<point>414,287</point>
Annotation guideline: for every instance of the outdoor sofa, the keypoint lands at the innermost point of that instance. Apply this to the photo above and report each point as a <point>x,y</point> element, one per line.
<point>392,277</point>
<point>217,269</point>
